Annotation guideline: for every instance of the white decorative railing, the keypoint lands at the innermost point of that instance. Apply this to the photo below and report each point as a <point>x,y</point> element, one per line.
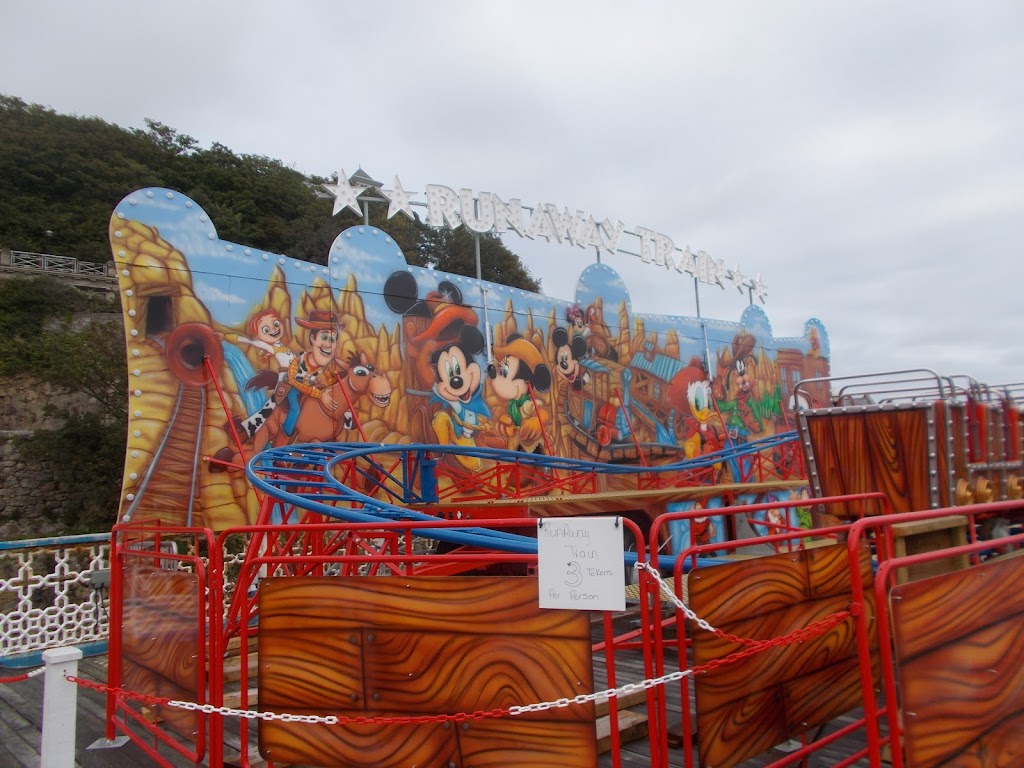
<point>54,592</point>
<point>49,263</point>
<point>49,593</point>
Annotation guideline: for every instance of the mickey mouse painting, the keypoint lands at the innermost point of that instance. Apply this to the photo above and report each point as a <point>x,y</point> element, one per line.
<point>567,358</point>
<point>457,387</point>
<point>428,324</point>
<point>517,369</point>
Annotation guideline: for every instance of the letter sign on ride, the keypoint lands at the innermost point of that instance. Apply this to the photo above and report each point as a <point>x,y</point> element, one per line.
<point>579,563</point>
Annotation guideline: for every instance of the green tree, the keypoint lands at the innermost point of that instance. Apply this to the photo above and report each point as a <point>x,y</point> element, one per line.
<point>61,176</point>
<point>87,456</point>
<point>29,310</point>
<point>455,251</point>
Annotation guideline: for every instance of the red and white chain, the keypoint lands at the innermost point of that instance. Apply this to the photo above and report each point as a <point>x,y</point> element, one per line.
<point>678,602</point>
<point>811,630</point>
<point>23,676</point>
<point>609,693</point>
<point>248,714</point>
<point>753,647</point>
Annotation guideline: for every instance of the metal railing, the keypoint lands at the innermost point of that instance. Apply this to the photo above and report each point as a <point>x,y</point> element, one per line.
<point>47,262</point>
<point>47,595</point>
<point>54,592</point>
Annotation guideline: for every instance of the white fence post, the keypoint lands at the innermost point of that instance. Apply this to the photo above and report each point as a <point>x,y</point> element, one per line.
<point>60,708</point>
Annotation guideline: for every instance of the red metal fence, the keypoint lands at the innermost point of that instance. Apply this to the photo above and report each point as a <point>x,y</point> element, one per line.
<point>740,648</point>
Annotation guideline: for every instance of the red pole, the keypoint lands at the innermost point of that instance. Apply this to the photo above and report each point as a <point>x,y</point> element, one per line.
<point>629,423</point>
<point>352,410</point>
<point>226,407</point>
<point>230,421</point>
<point>214,577</point>
<point>867,684</point>
<point>543,429</point>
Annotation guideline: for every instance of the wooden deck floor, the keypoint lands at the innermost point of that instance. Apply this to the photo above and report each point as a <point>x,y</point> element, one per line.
<point>21,722</point>
<point>637,752</point>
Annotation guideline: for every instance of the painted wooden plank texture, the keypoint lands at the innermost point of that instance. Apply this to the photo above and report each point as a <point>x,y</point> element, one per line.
<point>160,628</point>
<point>410,646</point>
<point>867,451</point>
<point>959,641</point>
<point>746,707</point>
<point>160,642</point>
<point>396,604</point>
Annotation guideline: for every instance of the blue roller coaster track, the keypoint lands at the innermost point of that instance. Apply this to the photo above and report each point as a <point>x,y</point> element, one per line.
<point>304,477</point>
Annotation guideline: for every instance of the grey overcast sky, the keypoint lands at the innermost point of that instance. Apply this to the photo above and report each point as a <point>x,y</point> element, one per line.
<point>865,158</point>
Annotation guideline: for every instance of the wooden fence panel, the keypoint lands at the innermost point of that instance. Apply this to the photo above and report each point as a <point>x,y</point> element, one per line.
<point>414,646</point>
<point>959,641</point>
<point>160,639</point>
<point>874,450</point>
<point>747,707</point>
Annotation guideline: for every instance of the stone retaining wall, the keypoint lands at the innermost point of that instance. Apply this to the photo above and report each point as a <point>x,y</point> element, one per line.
<point>32,502</point>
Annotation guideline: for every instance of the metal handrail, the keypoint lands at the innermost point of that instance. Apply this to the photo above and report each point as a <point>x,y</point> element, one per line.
<point>909,384</point>
<point>48,262</point>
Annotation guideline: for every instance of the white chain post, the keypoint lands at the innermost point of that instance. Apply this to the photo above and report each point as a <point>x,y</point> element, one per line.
<point>60,708</point>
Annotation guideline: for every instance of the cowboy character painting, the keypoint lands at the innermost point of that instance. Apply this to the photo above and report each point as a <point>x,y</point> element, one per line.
<point>311,373</point>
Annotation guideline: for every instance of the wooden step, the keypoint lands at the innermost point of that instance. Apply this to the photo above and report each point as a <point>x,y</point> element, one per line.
<point>231,665</point>
<point>234,644</point>
<point>626,701</point>
<point>632,726</point>
<point>233,668</point>
<point>233,700</point>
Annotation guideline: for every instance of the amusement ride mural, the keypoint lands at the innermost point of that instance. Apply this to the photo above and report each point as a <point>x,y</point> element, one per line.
<point>366,348</point>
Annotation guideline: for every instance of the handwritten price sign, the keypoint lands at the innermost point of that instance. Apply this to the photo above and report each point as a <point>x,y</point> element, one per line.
<point>579,563</point>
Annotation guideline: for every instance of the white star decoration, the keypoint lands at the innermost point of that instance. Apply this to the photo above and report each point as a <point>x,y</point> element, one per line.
<point>399,200</point>
<point>738,279</point>
<point>759,288</point>
<point>345,195</point>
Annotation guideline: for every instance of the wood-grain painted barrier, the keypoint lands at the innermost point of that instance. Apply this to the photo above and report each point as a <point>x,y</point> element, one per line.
<point>407,646</point>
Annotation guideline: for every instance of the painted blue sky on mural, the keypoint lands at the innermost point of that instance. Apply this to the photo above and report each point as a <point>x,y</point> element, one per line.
<point>232,279</point>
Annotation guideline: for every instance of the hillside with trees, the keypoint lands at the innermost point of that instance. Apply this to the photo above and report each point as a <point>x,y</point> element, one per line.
<point>60,178</point>
<point>62,175</point>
